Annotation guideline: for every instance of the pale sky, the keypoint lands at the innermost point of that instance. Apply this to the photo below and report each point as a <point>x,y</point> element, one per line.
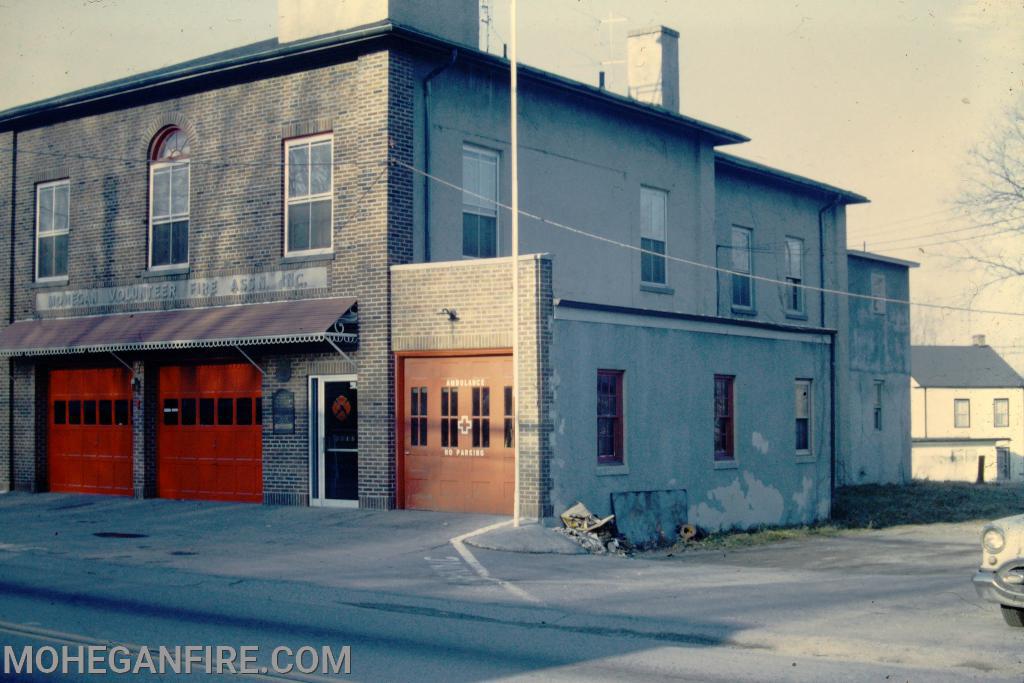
<point>883,97</point>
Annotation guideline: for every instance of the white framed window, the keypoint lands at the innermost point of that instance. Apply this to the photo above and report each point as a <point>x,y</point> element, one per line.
<point>1001,412</point>
<point>802,410</point>
<point>52,225</point>
<point>653,229</point>
<point>742,265</point>
<point>794,275</point>
<point>169,189</point>
<point>479,202</point>
<point>878,292</point>
<point>962,413</point>
<point>308,195</point>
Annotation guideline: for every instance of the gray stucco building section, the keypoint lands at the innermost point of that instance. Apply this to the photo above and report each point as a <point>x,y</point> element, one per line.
<point>879,374</point>
<point>669,365</point>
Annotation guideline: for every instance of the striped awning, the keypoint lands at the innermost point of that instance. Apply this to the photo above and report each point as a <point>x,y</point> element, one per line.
<point>283,322</point>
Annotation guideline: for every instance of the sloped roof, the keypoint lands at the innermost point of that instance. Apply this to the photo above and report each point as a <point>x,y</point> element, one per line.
<point>269,57</point>
<point>871,256</point>
<point>961,366</point>
<point>748,166</point>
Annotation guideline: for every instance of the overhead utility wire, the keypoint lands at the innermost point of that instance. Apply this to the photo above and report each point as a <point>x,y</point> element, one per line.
<point>911,238</point>
<point>955,240</point>
<point>882,228</point>
<point>279,163</point>
<point>927,238</point>
<point>697,264</point>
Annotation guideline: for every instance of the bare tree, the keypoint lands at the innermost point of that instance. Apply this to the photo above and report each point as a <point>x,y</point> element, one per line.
<point>993,197</point>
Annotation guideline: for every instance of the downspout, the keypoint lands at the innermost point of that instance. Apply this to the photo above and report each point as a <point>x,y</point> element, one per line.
<point>426,148</point>
<point>832,354</point>
<point>832,425</point>
<point>821,252</point>
<point>10,314</point>
<point>926,412</point>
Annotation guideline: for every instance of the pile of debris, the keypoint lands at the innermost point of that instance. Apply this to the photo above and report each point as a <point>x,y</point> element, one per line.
<point>595,534</point>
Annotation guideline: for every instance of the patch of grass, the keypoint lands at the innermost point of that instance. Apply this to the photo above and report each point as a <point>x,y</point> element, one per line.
<point>874,506</point>
<point>730,540</point>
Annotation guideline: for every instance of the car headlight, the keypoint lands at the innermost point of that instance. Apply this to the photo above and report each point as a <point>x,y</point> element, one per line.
<point>993,539</point>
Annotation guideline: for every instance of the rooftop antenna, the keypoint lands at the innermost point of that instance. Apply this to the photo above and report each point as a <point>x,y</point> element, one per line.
<point>487,20</point>
<point>610,21</point>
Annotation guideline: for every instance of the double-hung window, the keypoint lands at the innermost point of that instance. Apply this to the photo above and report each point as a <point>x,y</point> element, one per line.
<point>653,224</point>
<point>724,422</point>
<point>803,408</point>
<point>479,202</point>
<point>52,204</point>
<point>794,275</point>
<point>961,413</point>
<point>169,200</point>
<point>742,262</point>
<point>309,202</point>
<point>1001,412</point>
<point>609,417</point>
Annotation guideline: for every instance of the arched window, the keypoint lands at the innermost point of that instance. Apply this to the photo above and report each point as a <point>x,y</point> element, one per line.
<point>168,199</point>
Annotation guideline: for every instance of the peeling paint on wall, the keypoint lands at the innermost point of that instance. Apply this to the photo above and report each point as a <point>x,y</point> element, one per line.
<point>732,506</point>
<point>760,443</point>
<point>802,498</point>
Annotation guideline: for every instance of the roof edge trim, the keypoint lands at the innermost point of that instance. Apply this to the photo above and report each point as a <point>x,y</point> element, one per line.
<point>804,182</point>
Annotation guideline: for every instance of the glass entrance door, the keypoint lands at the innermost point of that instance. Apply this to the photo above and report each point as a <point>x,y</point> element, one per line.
<point>334,448</point>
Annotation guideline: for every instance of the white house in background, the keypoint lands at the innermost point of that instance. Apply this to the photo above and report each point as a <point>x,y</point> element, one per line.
<point>967,414</point>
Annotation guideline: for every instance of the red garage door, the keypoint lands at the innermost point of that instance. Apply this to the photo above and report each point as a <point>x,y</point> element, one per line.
<point>90,431</point>
<point>209,433</point>
<point>457,434</point>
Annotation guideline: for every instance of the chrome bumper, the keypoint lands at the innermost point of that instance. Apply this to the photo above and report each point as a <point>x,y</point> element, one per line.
<point>991,588</point>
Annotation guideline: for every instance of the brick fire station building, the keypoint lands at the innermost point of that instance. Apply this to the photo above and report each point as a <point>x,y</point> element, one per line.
<point>233,279</point>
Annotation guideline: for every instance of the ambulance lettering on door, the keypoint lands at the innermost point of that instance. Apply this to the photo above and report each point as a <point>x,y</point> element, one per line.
<point>465,423</point>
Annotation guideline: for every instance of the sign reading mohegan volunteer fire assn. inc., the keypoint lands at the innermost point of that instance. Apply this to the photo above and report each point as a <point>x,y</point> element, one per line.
<point>185,290</point>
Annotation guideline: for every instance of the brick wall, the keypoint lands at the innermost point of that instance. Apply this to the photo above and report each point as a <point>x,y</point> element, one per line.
<point>29,463</point>
<point>145,409</point>
<point>236,227</point>
<point>7,141</point>
<point>480,291</point>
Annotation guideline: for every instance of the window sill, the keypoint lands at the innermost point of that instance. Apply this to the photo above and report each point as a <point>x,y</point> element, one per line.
<point>744,310</point>
<point>805,458</point>
<point>306,258</point>
<point>796,315</point>
<point>726,464</point>
<point>612,470</point>
<point>49,282</point>
<point>163,272</point>
<point>656,289</point>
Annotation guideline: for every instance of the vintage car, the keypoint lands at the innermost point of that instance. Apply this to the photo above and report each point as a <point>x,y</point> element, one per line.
<point>1001,576</point>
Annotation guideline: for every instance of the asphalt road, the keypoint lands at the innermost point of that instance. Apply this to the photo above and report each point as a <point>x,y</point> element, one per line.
<point>893,605</point>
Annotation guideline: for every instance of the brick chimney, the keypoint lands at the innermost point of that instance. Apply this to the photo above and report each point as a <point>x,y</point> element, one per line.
<point>652,66</point>
<point>454,20</point>
<point>978,340</point>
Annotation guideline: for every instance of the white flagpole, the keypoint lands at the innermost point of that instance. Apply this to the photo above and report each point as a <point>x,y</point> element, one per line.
<point>514,161</point>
